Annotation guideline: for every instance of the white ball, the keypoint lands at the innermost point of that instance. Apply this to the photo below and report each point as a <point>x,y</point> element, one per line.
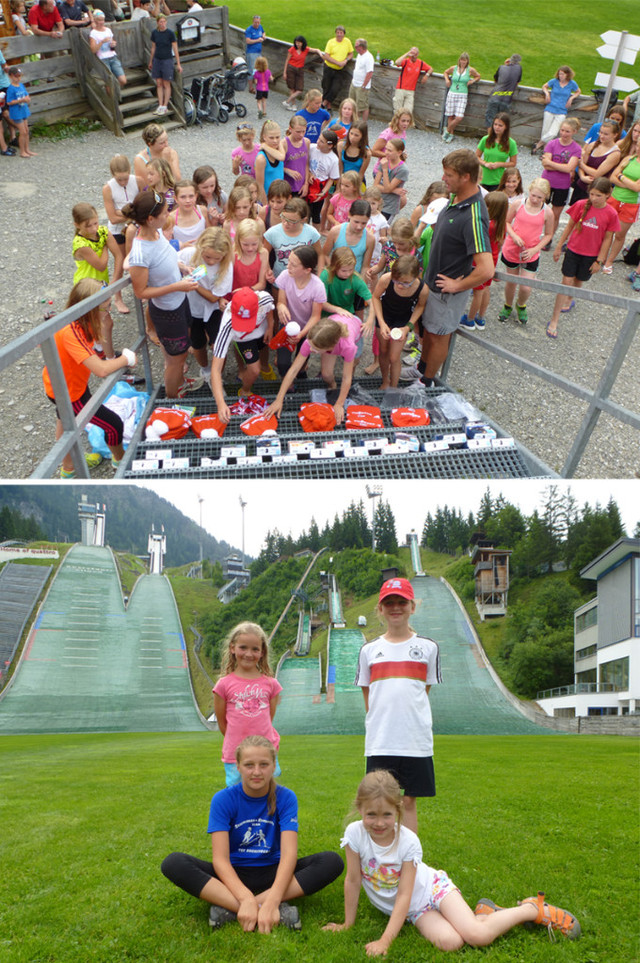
<point>150,434</point>
<point>395,334</point>
<point>292,329</point>
<point>209,433</point>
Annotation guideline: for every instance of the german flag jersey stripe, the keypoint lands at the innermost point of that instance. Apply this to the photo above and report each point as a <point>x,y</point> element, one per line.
<point>408,669</point>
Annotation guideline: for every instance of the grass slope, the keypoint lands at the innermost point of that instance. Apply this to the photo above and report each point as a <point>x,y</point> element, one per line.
<point>537,29</point>
<point>87,820</point>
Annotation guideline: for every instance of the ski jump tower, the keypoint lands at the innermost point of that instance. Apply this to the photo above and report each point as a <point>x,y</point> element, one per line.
<point>157,548</point>
<point>92,522</point>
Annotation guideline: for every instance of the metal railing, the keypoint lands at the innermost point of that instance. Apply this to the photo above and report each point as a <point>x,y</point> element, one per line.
<point>73,425</point>
<point>580,688</point>
<point>598,399</point>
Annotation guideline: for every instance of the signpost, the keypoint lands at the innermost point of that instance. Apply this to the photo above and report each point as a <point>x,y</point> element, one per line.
<point>621,47</point>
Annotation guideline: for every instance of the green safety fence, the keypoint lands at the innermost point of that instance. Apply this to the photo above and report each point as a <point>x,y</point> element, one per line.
<point>90,665</point>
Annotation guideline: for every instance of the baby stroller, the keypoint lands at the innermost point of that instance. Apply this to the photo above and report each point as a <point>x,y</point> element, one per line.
<point>201,103</point>
<point>226,85</point>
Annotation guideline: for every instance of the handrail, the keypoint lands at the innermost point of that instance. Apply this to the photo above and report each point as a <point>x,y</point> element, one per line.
<point>73,425</point>
<point>598,399</point>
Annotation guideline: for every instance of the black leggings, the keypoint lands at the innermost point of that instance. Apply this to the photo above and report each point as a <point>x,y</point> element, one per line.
<point>312,872</point>
<point>109,421</point>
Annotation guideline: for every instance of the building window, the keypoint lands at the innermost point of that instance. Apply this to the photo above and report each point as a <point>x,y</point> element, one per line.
<point>616,673</point>
<point>588,676</point>
<point>602,711</point>
<point>587,619</point>
<point>585,653</point>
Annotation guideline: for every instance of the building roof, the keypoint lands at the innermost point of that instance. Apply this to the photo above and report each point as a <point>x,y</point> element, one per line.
<point>611,557</point>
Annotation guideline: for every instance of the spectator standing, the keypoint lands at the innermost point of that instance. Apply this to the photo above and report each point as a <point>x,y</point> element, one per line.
<point>74,13</point>
<point>361,80</point>
<point>336,56</point>
<point>164,47</point>
<point>254,35</point>
<point>143,11</point>
<point>45,20</point>
<point>460,258</point>
<point>506,79</point>
<point>559,93</point>
<point>458,80</point>
<point>412,70</point>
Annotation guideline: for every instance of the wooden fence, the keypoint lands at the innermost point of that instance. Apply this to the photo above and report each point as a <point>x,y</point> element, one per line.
<point>69,81</point>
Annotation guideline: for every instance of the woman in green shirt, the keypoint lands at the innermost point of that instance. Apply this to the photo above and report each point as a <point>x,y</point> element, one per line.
<point>496,151</point>
<point>458,79</point>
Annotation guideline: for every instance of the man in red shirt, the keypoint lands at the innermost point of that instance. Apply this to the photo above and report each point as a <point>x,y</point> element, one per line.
<point>412,69</point>
<point>45,20</point>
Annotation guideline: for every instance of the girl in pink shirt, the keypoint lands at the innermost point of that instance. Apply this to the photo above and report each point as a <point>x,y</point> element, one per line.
<point>340,204</point>
<point>246,698</point>
<point>588,234</point>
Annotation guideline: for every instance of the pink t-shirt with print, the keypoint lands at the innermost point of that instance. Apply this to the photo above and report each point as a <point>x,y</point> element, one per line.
<point>248,710</point>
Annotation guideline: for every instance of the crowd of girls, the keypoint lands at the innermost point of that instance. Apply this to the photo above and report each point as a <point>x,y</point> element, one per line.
<point>299,196</point>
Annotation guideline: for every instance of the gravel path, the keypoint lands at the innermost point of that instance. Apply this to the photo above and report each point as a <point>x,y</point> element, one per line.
<point>36,264</point>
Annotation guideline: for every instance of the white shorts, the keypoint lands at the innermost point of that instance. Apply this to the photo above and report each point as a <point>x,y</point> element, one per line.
<point>442,886</point>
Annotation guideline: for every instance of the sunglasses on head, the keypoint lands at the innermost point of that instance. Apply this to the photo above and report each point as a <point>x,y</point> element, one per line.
<point>244,127</point>
<point>159,204</point>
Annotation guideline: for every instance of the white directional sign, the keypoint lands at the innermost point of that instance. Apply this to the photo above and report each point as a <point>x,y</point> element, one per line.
<point>622,83</point>
<point>609,52</point>
<point>631,41</point>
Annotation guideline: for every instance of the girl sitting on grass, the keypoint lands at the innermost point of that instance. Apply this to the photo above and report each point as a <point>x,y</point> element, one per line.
<point>385,858</point>
<point>248,879</point>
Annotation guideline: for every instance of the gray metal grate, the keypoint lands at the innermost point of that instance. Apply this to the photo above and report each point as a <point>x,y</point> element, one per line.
<point>454,463</point>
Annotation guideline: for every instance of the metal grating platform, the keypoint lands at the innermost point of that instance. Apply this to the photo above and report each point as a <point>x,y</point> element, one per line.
<point>453,463</point>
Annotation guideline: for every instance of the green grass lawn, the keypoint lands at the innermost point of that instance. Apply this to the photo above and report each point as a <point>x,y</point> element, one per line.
<point>537,29</point>
<point>87,820</point>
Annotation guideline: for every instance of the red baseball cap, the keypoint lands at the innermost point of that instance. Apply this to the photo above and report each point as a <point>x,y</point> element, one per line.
<point>397,586</point>
<point>244,309</point>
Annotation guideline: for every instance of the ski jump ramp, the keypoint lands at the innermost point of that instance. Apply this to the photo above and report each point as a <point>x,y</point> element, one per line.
<point>90,665</point>
<point>468,701</point>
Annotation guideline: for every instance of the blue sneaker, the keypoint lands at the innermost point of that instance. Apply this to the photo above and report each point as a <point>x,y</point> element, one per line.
<point>635,285</point>
<point>466,323</point>
<point>479,323</point>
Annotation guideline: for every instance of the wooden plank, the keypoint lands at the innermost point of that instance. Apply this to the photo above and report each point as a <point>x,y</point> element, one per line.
<point>20,46</point>
<point>53,67</point>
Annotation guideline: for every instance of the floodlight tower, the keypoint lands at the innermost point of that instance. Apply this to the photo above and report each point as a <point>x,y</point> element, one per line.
<point>243,505</point>
<point>373,492</point>
<point>200,500</point>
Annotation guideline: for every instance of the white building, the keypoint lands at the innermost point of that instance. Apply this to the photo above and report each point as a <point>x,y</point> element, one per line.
<point>606,640</point>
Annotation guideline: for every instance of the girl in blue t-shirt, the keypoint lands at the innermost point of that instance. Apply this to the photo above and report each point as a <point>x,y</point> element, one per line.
<point>314,113</point>
<point>254,836</point>
<point>17,101</point>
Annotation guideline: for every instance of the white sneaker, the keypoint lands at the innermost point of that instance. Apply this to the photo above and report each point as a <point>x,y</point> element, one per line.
<point>158,109</point>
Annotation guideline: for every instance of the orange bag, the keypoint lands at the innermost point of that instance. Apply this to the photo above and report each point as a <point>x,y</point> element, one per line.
<point>208,421</point>
<point>317,417</point>
<point>409,417</point>
<point>178,421</point>
<point>258,424</point>
<point>363,416</point>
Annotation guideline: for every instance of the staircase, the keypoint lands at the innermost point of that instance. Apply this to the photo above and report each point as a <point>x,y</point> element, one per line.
<point>138,102</point>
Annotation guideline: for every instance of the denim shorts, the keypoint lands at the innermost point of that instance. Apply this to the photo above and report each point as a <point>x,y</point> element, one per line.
<point>114,65</point>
